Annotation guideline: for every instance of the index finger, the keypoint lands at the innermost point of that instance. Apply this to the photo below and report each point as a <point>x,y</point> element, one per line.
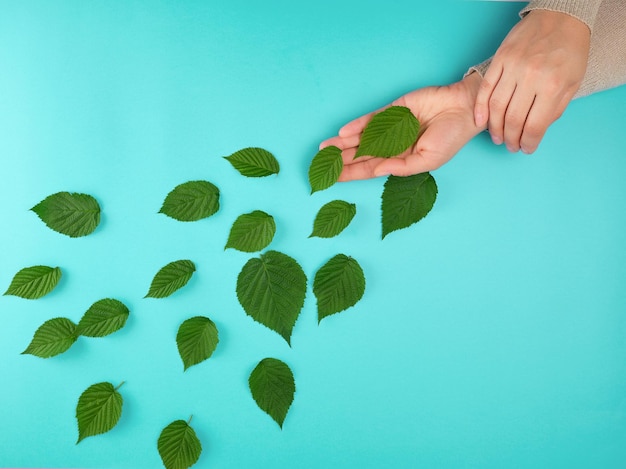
<point>487,85</point>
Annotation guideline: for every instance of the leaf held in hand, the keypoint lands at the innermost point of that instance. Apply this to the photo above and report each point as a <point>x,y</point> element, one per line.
<point>273,387</point>
<point>104,317</point>
<point>325,168</point>
<point>192,201</point>
<point>197,339</point>
<point>251,232</point>
<point>406,200</point>
<point>71,214</point>
<point>178,445</point>
<point>338,285</point>
<point>34,282</point>
<point>254,162</point>
<point>389,133</point>
<point>333,218</point>
<point>170,278</point>
<point>271,289</point>
<point>53,337</point>
<point>98,410</point>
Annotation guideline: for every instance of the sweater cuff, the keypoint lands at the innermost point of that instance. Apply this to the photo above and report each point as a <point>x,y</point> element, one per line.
<point>585,11</point>
<point>481,68</point>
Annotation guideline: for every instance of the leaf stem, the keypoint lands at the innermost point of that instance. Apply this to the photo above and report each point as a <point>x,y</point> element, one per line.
<point>119,385</point>
<point>189,421</point>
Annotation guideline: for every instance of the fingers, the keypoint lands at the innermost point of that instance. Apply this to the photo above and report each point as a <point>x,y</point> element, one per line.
<point>515,117</point>
<point>541,115</point>
<point>342,142</point>
<point>487,85</point>
<point>498,104</point>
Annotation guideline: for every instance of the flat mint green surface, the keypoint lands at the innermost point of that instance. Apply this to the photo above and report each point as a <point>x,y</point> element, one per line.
<point>492,334</point>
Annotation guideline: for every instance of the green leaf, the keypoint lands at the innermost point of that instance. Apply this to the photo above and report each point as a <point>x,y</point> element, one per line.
<point>179,446</point>
<point>272,387</point>
<point>197,339</point>
<point>104,317</point>
<point>389,133</point>
<point>34,282</point>
<point>170,278</point>
<point>98,410</point>
<point>333,218</point>
<point>251,232</point>
<point>271,290</point>
<point>71,214</point>
<point>325,168</point>
<point>406,200</point>
<point>338,285</point>
<point>52,338</point>
<point>192,201</point>
<point>254,162</point>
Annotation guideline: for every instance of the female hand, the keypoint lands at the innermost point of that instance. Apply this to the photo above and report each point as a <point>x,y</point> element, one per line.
<point>532,78</point>
<point>447,123</point>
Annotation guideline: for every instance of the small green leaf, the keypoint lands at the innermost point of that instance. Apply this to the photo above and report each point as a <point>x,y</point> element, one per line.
<point>170,278</point>
<point>192,201</point>
<point>179,446</point>
<point>338,285</point>
<point>389,133</point>
<point>98,410</point>
<point>71,214</point>
<point>406,200</point>
<point>52,338</point>
<point>271,289</point>
<point>254,162</point>
<point>34,282</point>
<point>273,387</point>
<point>333,218</point>
<point>251,232</point>
<point>325,168</point>
<point>197,339</point>
<point>104,317</point>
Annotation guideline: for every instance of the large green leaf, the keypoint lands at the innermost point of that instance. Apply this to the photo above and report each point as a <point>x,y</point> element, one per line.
<point>251,232</point>
<point>191,201</point>
<point>325,168</point>
<point>170,278</point>
<point>338,285</point>
<point>71,214</point>
<point>389,133</point>
<point>98,410</point>
<point>333,218</point>
<point>179,446</point>
<point>197,339</point>
<point>406,200</point>
<point>271,290</point>
<point>254,162</point>
<point>52,338</point>
<point>273,387</point>
<point>104,317</point>
<point>34,282</point>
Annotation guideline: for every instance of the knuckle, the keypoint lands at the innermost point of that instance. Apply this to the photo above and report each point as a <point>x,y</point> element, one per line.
<point>497,103</point>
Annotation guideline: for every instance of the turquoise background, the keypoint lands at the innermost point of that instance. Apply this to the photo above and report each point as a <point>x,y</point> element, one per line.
<point>492,334</point>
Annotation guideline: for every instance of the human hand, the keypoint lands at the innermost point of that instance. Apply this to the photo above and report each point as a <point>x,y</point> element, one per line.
<point>446,124</point>
<point>532,78</point>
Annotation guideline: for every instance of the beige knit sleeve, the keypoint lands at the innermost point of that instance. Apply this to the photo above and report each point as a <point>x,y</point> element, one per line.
<point>585,10</point>
<point>606,66</point>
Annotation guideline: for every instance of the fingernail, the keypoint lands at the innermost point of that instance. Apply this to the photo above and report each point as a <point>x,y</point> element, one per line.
<point>497,140</point>
<point>381,173</point>
<point>511,149</point>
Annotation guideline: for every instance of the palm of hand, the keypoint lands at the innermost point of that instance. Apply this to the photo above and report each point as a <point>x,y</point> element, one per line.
<point>446,115</point>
